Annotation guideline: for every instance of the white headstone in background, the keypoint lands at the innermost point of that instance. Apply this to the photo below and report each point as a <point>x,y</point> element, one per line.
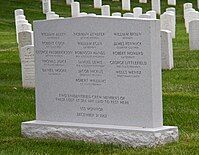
<point>68,2</point>
<point>171,2</point>
<point>186,14</point>
<point>142,1</point>
<point>194,35</point>
<point>167,49</point>
<point>97,4</point>
<point>105,10</point>
<point>156,6</point>
<point>191,15</point>
<point>19,22</point>
<point>75,9</point>
<point>187,11</point>
<point>24,27</point>
<point>152,14</point>
<point>167,21</point>
<point>187,6</point>
<point>198,4</point>
<point>27,66</point>
<point>99,76</point>
<point>49,15</point>
<point>25,38</point>
<point>52,16</point>
<point>126,5</point>
<point>20,17</point>
<point>171,9</point>
<point>137,11</point>
<point>116,14</point>
<point>19,12</point>
<point>46,5</point>
<point>128,14</point>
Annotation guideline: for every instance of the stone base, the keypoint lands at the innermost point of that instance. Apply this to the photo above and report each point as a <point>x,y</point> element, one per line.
<point>123,135</point>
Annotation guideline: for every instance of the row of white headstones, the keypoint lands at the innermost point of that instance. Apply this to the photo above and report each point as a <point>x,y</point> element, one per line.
<point>168,21</point>
<point>25,42</point>
<point>191,18</point>
<point>26,45</point>
<point>126,5</point>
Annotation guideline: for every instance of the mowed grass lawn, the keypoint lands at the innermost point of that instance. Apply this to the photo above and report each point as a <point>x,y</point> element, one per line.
<point>180,89</point>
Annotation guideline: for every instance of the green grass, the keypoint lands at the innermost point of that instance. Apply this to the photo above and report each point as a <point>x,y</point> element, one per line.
<point>180,89</point>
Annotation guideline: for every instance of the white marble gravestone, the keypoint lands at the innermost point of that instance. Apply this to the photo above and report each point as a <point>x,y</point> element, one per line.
<point>167,21</point>
<point>19,22</point>
<point>137,11</point>
<point>194,35</point>
<point>156,6</point>
<point>152,14</point>
<point>99,82</point>
<point>142,1</point>
<point>97,4</point>
<point>187,6</point>
<point>128,14</point>
<point>19,12</point>
<point>24,27</point>
<point>191,15</point>
<point>198,4</point>
<point>28,66</point>
<point>75,9</point>
<point>166,49</point>
<point>116,14</point>
<point>68,2</point>
<point>25,38</point>
<point>186,16</point>
<point>51,16</point>
<point>171,2</point>
<point>20,17</point>
<point>105,10</point>
<point>171,9</point>
<point>46,5</point>
<point>126,5</point>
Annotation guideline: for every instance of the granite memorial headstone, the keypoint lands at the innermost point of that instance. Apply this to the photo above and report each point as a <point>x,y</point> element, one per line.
<point>99,82</point>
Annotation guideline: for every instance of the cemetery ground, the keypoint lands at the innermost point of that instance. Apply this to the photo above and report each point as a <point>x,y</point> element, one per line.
<point>180,89</point>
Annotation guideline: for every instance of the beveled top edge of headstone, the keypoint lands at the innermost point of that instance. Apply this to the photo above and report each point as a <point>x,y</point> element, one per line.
<point>98,16</point>
<point>193,21</point>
